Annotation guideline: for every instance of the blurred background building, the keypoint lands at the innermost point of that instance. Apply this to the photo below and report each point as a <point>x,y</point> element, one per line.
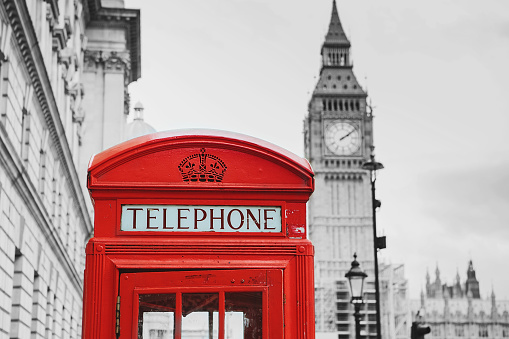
<point>64,70</point>
<point>458,310</point>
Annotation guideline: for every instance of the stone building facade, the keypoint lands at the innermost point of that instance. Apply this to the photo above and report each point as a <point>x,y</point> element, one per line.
<point>459,311</point>
<point>64,70</point>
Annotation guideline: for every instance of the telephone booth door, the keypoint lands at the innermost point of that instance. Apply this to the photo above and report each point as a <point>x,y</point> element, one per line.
<point>216,304</point>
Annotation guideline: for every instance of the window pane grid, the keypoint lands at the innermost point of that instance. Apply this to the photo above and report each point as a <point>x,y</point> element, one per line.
<point>207,315</point>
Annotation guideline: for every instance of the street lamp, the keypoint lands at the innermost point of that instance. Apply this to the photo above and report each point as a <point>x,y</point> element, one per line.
<point>378,243</point>
<point>356,279</point>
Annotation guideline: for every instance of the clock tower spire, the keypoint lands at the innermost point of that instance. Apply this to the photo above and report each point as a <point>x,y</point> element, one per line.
<point>338,139</point>
<point>336,45</point>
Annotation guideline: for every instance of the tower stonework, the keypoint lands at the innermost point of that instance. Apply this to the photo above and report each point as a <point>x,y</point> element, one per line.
<point>338,138</point>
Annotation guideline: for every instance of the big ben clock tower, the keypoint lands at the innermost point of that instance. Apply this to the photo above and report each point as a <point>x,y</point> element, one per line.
<point>338,140</point>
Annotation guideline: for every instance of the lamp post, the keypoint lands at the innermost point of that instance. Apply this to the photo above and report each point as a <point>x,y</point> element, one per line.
<point>356,279</point>
<point>378,243</point>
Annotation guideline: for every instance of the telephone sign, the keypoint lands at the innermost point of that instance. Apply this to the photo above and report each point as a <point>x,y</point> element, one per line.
<point>189,218</point>
<point>199,234</point>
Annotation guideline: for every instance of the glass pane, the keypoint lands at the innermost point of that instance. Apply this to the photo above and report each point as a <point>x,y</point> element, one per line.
<point>234,325</point>
<point>200,316</point>
<point>243,315</point>
<point>156,318</point>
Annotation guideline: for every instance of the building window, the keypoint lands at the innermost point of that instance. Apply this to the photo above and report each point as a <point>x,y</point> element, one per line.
<point>342,296</point>
<point>157,334</point>
<point>5,38</point>
<point>505,331</point>
<point>42,171</point>
<point>25,134</point>
<point>459,331</point>
<point>342,317</point>
<point>435,330</point>
<point>25,123</point>
<point>342,306</point>
<point>483,331</point>
<point>342,327</point>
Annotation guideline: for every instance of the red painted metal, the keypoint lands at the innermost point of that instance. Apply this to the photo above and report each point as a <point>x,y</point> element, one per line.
<point>198,167</point>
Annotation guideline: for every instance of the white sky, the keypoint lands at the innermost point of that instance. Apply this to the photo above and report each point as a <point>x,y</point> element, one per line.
<point>436,72</point>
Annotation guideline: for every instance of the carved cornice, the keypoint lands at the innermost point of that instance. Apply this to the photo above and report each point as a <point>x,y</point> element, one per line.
<point>128,18</point>
<point>65,57</point>
<point>3,58</point>
<point>31,56</point>
<point>59,38</point>
<point>67,25</point>
<point>55,11</point>
<point>91,59</point>
<point>344,176</point>
<point>78,116</point>
<point>112,61</point>
<point>343,116</point>
<point>118,62</point>
<point>50,16</point>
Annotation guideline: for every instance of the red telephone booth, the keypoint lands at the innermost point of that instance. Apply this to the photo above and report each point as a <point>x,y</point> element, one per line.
<point>199,234</point>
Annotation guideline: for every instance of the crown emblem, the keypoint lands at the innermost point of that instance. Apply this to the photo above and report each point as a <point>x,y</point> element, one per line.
<point>202,167</point>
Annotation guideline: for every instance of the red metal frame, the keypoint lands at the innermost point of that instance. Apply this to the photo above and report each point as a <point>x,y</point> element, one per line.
<point>150,170</point>
<point>152,283</point>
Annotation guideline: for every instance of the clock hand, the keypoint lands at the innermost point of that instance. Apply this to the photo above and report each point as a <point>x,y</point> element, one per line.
<point>347,135</point>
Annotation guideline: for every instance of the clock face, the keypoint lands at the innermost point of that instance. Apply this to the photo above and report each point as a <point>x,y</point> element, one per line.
<point>342,138</point>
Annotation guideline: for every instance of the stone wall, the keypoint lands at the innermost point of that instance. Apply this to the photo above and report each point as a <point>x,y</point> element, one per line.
<point>44,220</point>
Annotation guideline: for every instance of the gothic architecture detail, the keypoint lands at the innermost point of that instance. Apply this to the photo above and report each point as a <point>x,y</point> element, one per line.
<point>458,310</point>
<point>456,290</point>
<point>338,140</point>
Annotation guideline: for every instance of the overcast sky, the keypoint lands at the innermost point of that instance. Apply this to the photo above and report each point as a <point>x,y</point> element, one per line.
<point>436,72</point>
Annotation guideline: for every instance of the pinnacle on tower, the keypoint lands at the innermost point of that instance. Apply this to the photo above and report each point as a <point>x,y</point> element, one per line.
<point>336,35</point>
<point>336,47</point>
<point>470,271</point>
<point>472,284</point>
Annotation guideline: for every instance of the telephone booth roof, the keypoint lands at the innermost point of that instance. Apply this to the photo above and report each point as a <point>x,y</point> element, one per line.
<point>199,160</point>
